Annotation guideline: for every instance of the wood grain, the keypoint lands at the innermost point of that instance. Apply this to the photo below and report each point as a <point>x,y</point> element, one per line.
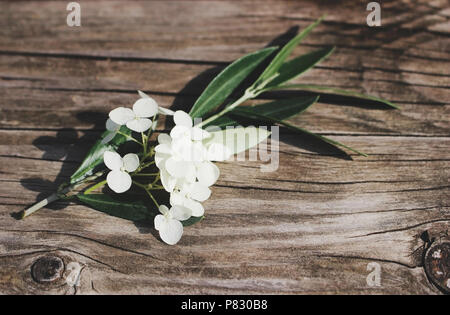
<point>311,227</point>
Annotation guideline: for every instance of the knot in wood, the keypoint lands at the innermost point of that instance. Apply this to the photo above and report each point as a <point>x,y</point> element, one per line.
<point>437,266</point>
<point>47,269</point>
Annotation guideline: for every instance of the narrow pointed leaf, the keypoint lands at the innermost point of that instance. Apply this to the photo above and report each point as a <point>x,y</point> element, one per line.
<point>325,89</point>
<point>282,55</point>
<point>295,67</point>
<point>94,157</point>
<point>278,109</point>
<point>227,81</point>
<point>248,113</point>
<point>126,209</point>
<point>284,109</point>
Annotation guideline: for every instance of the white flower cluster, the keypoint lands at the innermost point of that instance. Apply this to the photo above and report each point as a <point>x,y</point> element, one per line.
<point>185,163</point>
<point>186,171</point>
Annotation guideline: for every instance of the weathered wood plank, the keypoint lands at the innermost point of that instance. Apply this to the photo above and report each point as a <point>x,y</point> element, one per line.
<point>27,108</point>
<point>311,227</point>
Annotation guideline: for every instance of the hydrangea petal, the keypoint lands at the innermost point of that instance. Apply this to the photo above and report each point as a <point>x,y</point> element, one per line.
<point>167,181</point>
<point>163,209</point>
<point>191,173</point>
<point>145,107</point>
<point>112,160</point>
<point>130,162</point>
<point>198,152</point>
<point>163,148</point>
<point>178,132</point>
<point>177,199</point>
<point>121,115</point>
<point>196,207</point>
<point>159,221</point>
<point>180,213</point>
<point>160,158</point>
<point>199,134</point>
<point>207,173</point>
<point>140,124</point>
<point>118,181</point>
<point>199,191</point>
<point>171,231</point>
<point>176,168</point>
<point>164,138</point>
<point>182,119</point>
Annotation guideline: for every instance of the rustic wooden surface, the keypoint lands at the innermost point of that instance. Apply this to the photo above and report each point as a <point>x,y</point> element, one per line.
<point>311,227</point>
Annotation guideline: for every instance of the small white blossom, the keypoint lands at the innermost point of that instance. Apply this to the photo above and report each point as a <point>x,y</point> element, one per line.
<point>190,196</point>
<point>161,110</point>
<point>185,129</point>
<point>136,119</point>
<point>168,223</point>
<point>186,170</point>
<point>118,178</point>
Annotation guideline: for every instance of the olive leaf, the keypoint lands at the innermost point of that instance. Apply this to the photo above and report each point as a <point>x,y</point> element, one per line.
<point>248,113</point>
<point>295,67</point>
<point>227,81</point>
<point>133,210</point>
<point>192,221</point>
<point>325,89</point>
<point>282,55</point>
<point>94,157</point>
<point>278,109</point>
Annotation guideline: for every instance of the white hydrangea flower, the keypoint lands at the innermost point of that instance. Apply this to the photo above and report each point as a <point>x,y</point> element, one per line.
<point>118,178</point>
<point>190,196</point>
<point>161,110</point>
<point>185,129</point>
<point>186,170</point>
<point>168,223</point>
<point>136,119</point>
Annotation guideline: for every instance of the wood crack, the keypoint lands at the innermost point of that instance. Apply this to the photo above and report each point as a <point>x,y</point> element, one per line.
<point>85,238</point>
<point>402,229</point>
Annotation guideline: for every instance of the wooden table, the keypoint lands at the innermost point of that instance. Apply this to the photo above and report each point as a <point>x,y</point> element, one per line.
<point>320,224</point>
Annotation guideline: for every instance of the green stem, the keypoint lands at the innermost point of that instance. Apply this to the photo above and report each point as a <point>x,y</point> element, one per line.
<point>150,131</point>
<point>144,143</point>
<point>92,188</point>
<point>57,195</point>
<point>146,165</point>
<point>249,94</point>
<point>148,192</point>
<point>129,137</point>
<point>146,174</point>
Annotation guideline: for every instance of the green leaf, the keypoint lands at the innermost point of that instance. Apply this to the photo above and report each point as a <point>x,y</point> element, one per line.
<point>295,67</point>
<point>238,139</point>
<point>248,113</point>
<point>283,109</point>
<point>227,81</point>
<point>278,109</point>
<point>95,155</point>
<point>325,89</point>
<point>192,221</point>
<point>280,58</point>
<point>133,210</point>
